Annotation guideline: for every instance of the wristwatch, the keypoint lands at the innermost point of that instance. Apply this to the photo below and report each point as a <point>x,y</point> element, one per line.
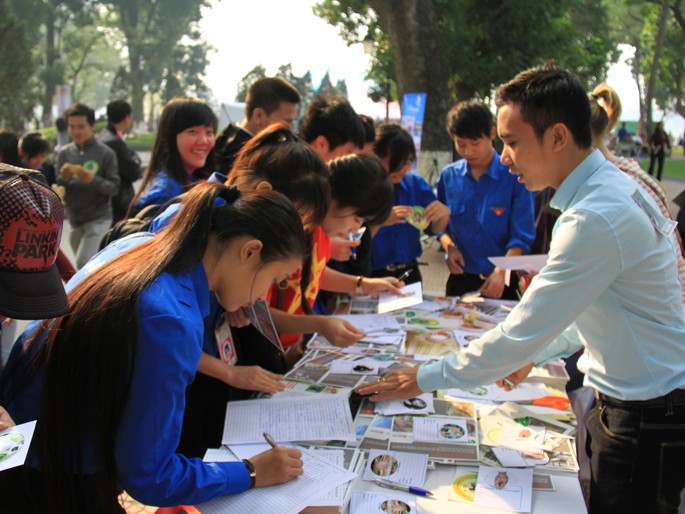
<point>251,471</point>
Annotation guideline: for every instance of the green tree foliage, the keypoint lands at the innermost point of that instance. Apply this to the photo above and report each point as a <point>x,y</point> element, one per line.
<point>488,41</point>
<point>163,45</point>
<point>492,40</point>
<point>670,92</point>
<point>46,22</point>
<point>16,69</point>
<point>252,76</point>
<point>662,43</point>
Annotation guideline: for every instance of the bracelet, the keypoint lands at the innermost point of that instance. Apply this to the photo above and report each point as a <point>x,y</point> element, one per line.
<point>359,290</point>
<point>251,471</point>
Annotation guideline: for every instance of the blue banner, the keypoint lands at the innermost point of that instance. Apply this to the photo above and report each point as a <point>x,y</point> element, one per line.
<point>413,109</point>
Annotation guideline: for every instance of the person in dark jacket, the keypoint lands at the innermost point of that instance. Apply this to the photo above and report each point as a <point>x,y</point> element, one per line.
<point>119,120</point>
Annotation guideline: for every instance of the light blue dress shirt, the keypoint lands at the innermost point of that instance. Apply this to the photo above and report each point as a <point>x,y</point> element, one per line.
<point>612,270</point>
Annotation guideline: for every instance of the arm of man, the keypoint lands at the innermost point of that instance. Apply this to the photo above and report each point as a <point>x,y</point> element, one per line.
<point>572,279</point>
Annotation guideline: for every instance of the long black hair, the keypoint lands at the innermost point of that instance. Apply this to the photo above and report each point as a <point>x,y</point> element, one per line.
<point>88,355</point>
<point>291,166</point>
<point>179,114</point>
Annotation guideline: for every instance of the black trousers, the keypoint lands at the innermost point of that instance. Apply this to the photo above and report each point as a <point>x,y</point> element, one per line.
<point>637,454</point>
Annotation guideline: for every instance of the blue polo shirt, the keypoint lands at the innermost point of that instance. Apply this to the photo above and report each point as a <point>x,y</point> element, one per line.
<point>402,242</point>
<point>488,216</point>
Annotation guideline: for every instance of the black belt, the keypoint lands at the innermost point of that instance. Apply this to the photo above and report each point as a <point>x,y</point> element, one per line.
<point>400,266</point>
<point>675,397</point>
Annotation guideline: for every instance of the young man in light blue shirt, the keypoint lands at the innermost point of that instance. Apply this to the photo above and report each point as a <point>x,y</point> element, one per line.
<point>610,285</point>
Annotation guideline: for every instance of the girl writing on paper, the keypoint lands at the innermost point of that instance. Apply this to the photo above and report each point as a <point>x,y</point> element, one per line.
<point>328,204</point>
<point>107,382</point>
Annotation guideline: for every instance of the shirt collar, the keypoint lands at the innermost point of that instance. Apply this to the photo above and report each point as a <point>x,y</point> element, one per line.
<point>569,187</point>
<point>494,170</point>
<point>90,142</point>
<point>404,183</point>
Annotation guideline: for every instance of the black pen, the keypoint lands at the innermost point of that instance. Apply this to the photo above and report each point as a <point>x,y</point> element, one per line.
<point>401,487</point>
<point>269,439</point>
<point>404,275</point>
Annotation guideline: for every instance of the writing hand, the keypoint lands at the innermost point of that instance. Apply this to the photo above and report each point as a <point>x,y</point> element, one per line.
<point>341,249</point>
<point>277,466</point>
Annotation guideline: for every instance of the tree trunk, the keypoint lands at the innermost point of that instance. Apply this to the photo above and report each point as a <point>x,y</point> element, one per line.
<point>421,67</point>
<point>654,69</point>
<point>137,89</point>
<point>50,72</point>
<point>129,15</point>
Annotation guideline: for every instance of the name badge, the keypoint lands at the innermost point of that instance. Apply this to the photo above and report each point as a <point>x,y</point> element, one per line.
<point>224,342</point>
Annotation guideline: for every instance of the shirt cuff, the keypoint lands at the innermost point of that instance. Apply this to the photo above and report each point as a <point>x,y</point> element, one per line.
<point>430,376</point>
<point>237,475</point>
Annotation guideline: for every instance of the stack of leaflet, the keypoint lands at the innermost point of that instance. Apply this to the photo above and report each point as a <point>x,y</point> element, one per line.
<point>448,435</point>
<point>518,437</point>
<point>348,367</point>
<point>521,451</point>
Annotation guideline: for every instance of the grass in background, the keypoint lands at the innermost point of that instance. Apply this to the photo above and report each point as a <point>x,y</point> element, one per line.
<point>674,167</point>
<point>137,142</point>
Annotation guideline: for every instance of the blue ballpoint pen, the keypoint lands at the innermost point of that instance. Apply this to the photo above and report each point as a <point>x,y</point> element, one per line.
<point>350,237</point>
<point>401,487</point>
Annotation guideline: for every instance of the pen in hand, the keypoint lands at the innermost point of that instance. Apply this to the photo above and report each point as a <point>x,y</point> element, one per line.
<point>509,383</point>
<point>351,237</point>
<point>404,275</point>
<point>401,487</point>
<point>269,439</point>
